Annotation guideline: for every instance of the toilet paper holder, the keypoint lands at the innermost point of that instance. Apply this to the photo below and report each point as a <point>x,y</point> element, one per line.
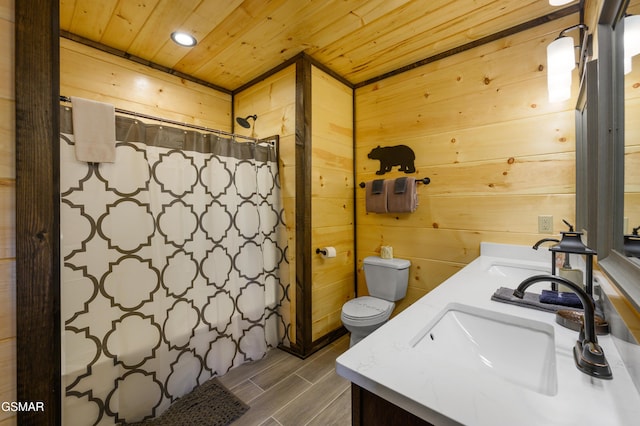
<point>326,251</point>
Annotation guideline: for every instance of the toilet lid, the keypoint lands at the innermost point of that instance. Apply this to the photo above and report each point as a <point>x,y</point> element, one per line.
<point>366,307</point>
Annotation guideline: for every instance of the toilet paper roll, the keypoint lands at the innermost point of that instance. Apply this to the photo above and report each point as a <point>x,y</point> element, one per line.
<point>328,251</point>
<point>386,252</point>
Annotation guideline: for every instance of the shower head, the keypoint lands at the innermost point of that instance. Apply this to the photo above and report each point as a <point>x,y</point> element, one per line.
<point>244,122</point>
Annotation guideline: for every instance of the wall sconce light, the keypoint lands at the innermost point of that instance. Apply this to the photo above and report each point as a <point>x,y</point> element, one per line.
<point>561,61</point>
<point>631,37</point>
<point>244,122</point>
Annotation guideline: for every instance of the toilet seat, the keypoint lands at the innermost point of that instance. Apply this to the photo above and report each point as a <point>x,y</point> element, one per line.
<point>366,310</point>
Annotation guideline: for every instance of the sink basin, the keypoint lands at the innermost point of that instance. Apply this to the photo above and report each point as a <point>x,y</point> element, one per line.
<point>512,349</point>
<point>515,272</point>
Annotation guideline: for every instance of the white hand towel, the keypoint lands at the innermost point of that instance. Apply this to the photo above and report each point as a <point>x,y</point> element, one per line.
<point>94,128</point>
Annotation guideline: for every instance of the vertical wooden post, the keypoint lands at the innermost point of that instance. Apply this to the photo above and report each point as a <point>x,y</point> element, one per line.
<point>37,209</point>
<point>303,206</point>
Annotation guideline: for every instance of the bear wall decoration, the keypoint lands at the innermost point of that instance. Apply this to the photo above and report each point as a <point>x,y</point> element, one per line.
<point>390,156</point>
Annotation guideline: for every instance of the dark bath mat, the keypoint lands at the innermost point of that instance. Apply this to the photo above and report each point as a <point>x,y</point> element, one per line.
<point>210,404</point>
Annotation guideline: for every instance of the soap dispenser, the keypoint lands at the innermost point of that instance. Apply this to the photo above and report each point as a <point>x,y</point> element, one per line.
<point>573,275</point>
<point>571,243</point>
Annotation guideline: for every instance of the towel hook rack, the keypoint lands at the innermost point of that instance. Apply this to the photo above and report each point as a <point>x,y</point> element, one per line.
<point>424,181</point>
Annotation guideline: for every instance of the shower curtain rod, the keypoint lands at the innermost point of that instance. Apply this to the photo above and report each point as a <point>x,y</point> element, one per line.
<point>177,123</point>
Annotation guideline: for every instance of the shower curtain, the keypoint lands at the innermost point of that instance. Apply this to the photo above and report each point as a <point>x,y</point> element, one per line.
<point>174,268</point>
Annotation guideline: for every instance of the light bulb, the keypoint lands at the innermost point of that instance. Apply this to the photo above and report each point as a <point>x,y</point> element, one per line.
<point>560,55</point>
<point>627,65</point>
<point>183,39</point>
<point>559,86</point>
<point>631,40</point>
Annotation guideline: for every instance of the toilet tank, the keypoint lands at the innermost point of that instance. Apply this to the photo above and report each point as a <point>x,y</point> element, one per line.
<point>386,278</point>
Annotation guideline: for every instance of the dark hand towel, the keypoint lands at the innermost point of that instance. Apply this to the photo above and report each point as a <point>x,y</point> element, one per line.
<point>560,298</point>
<point>400,185</point>
<point>377,186</point>
<point>530,300</point>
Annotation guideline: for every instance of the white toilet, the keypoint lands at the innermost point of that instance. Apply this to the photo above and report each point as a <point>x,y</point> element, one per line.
<point>387,281</point>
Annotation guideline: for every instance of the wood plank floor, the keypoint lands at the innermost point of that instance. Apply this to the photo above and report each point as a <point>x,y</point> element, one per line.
<point>282,389</point>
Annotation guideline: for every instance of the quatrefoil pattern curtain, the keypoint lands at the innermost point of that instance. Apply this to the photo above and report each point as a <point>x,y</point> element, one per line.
<point>174,268</point>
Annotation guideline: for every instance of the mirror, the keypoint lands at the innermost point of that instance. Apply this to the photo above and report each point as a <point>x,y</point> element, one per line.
<point>631,220</point>
<point>586,152</point>
<point>607,163</point>
<point>615,200</point>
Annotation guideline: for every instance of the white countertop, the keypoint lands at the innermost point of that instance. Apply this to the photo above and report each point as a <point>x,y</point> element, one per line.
<point>386,364</point>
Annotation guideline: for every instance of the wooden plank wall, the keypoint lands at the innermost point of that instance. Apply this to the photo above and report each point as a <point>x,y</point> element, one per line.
<point>332,213</point>
<point>273,100</point>
<point>7,212</point>
<point>93,74</point>
<point>497,152</point>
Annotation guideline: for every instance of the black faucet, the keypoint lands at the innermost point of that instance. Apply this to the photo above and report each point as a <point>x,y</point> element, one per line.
<point>554,286</point>
<point>588,355</point>
<point>545,240</point>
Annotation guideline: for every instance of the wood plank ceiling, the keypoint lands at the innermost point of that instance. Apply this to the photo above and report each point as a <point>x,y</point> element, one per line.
<point>239,40</point>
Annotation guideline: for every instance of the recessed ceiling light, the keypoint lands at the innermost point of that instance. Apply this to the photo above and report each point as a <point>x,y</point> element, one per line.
<point>183,39</point>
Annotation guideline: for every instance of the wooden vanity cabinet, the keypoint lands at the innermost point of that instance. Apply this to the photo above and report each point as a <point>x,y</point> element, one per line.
<point>368,409</point>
